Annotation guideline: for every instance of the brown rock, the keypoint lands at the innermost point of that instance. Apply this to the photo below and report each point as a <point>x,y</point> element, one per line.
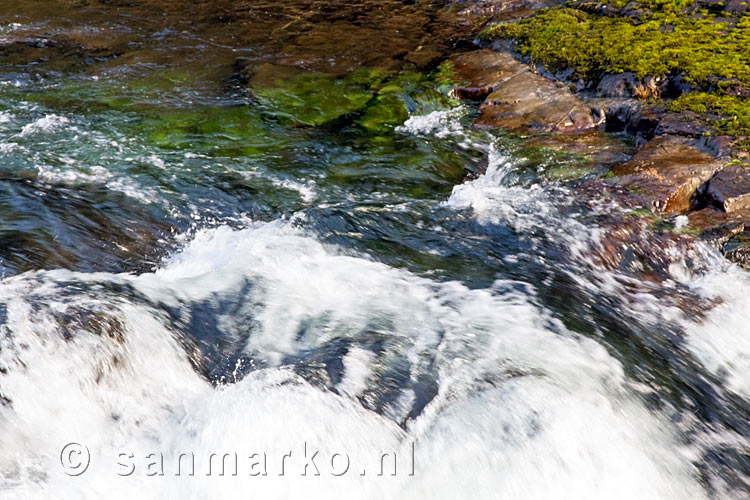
<point>628,85</point>
<point>594,149</point>
<point>485,68</point>
<point>529,102</point>
<point>729,189</point>
<point>666,173</point>
<point>472,93</point>
<point>686,124</point>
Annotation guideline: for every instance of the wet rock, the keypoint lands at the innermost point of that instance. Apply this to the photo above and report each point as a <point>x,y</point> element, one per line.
<point>631,244</point>
<point>85,228</point>
<point>721,146</point>
<point>472,93</point>
<point>715,226</point>
<point>502,9</point>
<point>628,85</point>
<point>685,124</point>
<point>727,232</point>
<point>666,173</point>
<point>737,249</point>
<point>480,71</point>
<point>306,98</point>
<point>422,56</point>
<point>484,68</point>
<point>527,102</point>
<point>592,153</point>
<point>729,189</point>
<point>629,115</point>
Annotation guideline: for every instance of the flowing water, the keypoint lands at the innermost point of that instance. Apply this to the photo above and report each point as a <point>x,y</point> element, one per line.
<point>264,228</point>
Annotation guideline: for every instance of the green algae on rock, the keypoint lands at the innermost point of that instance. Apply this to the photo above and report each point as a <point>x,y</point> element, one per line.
<point>310,98</point>
<point>215,130</point>
<point>376,99</point>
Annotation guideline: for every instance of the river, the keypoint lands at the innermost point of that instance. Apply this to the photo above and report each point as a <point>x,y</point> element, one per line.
<point>200,260</point>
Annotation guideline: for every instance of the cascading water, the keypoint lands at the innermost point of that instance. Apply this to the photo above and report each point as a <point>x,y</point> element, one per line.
<point>324,290</point>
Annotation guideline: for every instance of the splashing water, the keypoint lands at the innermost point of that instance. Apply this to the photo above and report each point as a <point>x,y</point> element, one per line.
<point>200,276</point>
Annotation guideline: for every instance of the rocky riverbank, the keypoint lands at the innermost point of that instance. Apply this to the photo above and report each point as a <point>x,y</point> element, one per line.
<point>671,75</point>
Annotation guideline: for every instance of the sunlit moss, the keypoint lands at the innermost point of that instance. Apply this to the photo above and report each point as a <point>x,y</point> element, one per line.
<point>733,112</point>
<point>701,49</point>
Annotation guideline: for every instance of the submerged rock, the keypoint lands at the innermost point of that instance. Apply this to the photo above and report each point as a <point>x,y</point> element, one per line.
<point>590,153</point>
<point>666,172</point>
<point>301,97</point>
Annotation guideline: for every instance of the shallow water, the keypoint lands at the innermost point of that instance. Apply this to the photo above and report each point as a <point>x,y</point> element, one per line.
<point>224,233</point>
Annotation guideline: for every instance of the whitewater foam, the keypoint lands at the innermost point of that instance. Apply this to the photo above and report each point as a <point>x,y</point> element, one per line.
<point>521,407</point>
<point>48,124</point>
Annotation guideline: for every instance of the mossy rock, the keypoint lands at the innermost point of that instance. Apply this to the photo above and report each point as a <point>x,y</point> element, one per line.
<point>733,112</point>
<point>389,111</point>
<point>700,48</point>
<point>311,99</point>
<point>222,131</point>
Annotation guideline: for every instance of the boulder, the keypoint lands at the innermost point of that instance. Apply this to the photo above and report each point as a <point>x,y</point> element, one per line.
<point>686,124</point>
<point>629,85</point>
<point>729,189</point>
<point>666,172</point>
<point>527,102</point>
<point>618,85</point>
<point>481,71</point>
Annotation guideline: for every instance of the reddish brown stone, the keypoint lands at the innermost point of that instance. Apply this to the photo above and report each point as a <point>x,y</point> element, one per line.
<point>529,102</point>
<point>666,172</point>
<point>485,68</point>
<point>729,189</point>
<point>472,93</point>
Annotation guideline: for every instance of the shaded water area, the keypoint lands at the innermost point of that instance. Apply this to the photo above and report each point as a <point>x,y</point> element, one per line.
<point>243,227</point>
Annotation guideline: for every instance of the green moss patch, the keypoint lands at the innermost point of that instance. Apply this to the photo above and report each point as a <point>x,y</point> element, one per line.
<point>700,49</point>
<point>711,53</point>
<point>733,112</point>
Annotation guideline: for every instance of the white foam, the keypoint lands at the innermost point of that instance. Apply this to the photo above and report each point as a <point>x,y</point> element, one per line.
<point>48,124</point>
<point>524,408</point>
<point>722,341</point>
<point>305,189</point>
<point>440,123</point>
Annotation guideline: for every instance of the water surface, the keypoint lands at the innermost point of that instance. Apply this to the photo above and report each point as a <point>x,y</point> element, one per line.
<point>243,227</point>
